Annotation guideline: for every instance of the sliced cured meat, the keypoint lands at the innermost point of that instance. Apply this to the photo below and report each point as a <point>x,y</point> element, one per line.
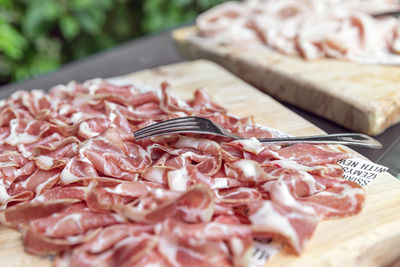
<point>24,213</point>
<point>207,165</point>
<point>195,205</point>
<point>116,245</point>
<point>61,192</point>
<point>39,244</point>
<point>112,157</point>
<point>14,165</point>
<point>203,104</point>
<point>248,171</point>
<point>78,185</point>
<point>309,155</point>
<point>305,28</point>
<point>339,199</point>
<point>115,194</point>
<point>58,155</point>
<point>46,142</point>
<point>239,194</point>
<point>25,131</point>
<point>269,218</point>
<point>77,171</point>
<point>93,127</point>
<point>74,220</point>
<point>188,250</point>
<point>41,180</point>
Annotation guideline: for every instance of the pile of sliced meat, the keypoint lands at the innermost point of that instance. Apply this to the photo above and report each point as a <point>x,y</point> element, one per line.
<point>308,28</point>
<point>78,186</point>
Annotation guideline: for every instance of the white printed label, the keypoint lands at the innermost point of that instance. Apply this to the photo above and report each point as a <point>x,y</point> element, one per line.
<point>361,171</point>
<point>263,250</point>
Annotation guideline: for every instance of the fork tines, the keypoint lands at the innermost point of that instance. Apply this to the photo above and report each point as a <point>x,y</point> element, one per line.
<point>184,124</point>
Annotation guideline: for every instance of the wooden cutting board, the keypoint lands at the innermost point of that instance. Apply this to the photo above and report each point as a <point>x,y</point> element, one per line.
<point>363,98</point>
<point>368,239</point>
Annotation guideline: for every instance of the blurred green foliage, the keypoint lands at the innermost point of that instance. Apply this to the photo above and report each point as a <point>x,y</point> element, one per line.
<point>37,36</point>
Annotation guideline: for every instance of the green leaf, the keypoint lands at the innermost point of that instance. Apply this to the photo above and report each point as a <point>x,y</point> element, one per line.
<point>39,15</point>
<point>79,5</point>
<point>69,26</point>
<point>12,43</point>
<point>89,23</point>
<point>82,4</point>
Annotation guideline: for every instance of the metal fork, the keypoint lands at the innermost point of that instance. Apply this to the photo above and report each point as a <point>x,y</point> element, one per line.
<point>201,125</point>
<point>394,13</point>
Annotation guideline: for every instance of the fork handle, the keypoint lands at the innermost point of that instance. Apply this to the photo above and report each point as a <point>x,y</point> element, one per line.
<point>351,139</point>
<point>394,13</point>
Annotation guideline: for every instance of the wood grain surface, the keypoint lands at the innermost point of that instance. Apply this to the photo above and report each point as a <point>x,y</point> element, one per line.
<point>363,98</point>
<point>371,238</point>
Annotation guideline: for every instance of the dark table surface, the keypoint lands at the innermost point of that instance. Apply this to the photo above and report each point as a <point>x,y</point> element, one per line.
<point>157,50</point>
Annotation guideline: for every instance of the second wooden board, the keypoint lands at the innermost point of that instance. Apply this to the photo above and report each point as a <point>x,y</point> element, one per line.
<point>363,98</point>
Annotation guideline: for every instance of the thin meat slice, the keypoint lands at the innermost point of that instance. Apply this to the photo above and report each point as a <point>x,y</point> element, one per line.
<point>274,219</point>
<point>42,245</point>
<point>62,192</point>
<point>206,164</point>
<point>58,155</point>
<point>112,157</point>
<point>24,213</point>
<point>339,199</point>
<point>24,131</point>
<point>77,171</point>
<point>309,155</point>
<point>247,171</point>
<point>238,238</point>
<point>194,205</point>
<point>116,245</point>
<point>46,142</point>
<point>74,220</point>
<point>114,194</point>
<point>239,195</point>
<point>191,251</point>
<point>41,180</point>
<point>203,104</point>
<point>92,127</point>
<point>14,165</point>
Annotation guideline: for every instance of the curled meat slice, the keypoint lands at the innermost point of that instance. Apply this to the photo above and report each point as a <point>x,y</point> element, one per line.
<point>194,205</point>
<point>247,170</point>
<point>14,165</point>
<point>115,194</point>
<point>74,220</point>
<point>77,171</point>
<point>116,245</point>
<point>269,218</point>
<point>309,155</point>
<point>203,244</point>
<point>39,244</point>
<point>112,157</point>
<point>61,192</point>
<point>92,127</point>
<point>24,213</point>
<point>206,164</point>
<point>338,200</point>
<point>57,155</point>
<point>41,180</point>
<point>26,131</point>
